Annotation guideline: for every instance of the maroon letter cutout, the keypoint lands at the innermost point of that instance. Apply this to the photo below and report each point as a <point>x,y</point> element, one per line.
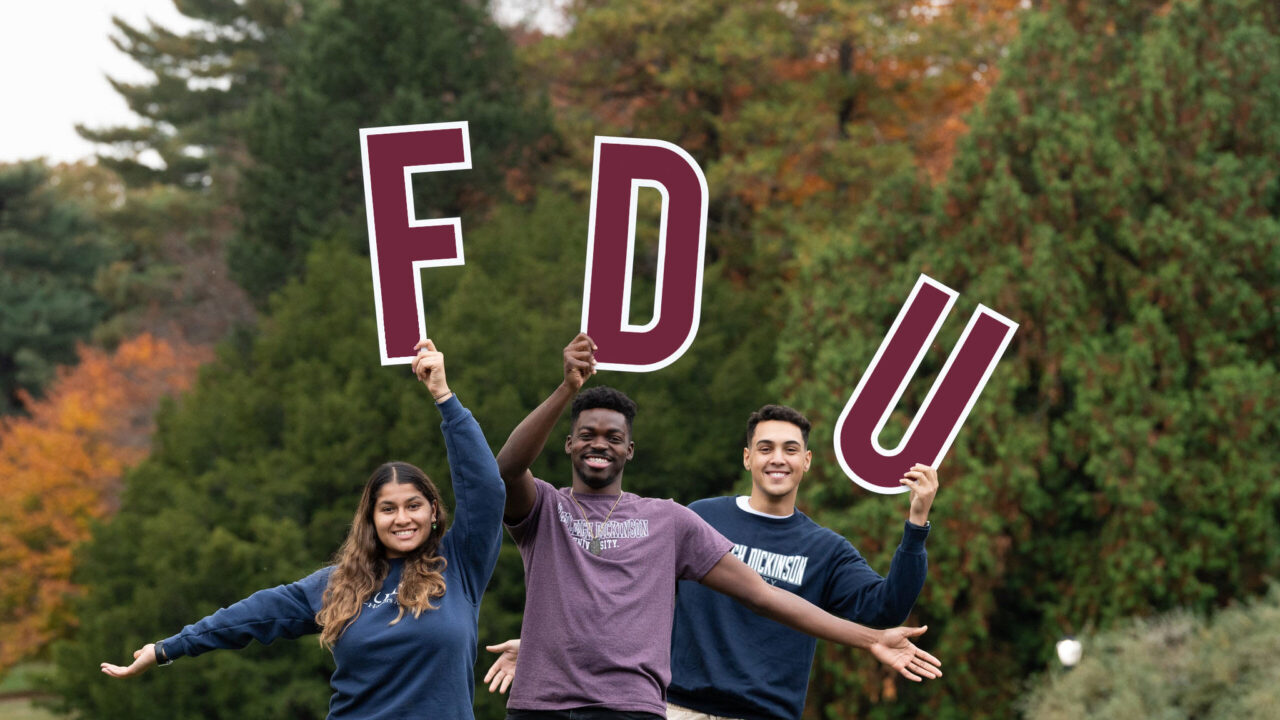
<point>949,400</point>
<point>622,167</point>
<point>400,245</point>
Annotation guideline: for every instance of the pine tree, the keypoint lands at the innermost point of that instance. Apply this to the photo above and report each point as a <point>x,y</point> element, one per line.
<point>50,252</point>
<point>193,106</point>
<point>371,63</point>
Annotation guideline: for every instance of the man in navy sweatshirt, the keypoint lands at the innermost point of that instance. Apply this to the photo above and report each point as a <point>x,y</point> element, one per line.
<point>729,662</point>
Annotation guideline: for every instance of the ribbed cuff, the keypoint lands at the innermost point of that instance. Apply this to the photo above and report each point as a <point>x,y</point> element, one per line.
<point>451,409</point>
<point>913,536</point>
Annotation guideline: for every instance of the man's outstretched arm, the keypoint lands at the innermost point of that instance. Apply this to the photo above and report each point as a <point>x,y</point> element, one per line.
<point>530,436</point>
<point>892,647</point>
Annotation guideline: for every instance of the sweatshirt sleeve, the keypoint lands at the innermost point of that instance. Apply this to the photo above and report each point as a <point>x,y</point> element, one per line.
<point>701,545</point>
<point>285,611</point>
<point>479,495</point>
<point>860,594</point>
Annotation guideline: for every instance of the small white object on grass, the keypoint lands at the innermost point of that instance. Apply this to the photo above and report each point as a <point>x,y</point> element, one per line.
<point>1069,651</point>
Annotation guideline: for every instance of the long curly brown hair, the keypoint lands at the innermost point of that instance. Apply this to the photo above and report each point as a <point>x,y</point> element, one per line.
<point>361,563</point>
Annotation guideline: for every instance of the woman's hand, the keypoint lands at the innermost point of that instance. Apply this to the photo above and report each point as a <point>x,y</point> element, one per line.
<point>429,367</point>
<point>143,659</point>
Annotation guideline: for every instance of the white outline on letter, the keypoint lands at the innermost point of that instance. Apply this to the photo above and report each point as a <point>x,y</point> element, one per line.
<point>981,311</point>
<point>412,221</point>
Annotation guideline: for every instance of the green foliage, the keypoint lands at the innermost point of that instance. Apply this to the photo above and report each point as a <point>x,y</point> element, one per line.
<point>22,678</point>
<point>49,254</point>
<point>1119,198</point>
<point>1176,665</point>
<point>170,222</point>
<point>370,63</point>
<point>245,490</point>
<point>169,270</point>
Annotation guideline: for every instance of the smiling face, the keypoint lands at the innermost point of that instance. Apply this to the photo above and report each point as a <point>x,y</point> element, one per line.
<point>778,459</point>
<point>599,447</point>
<point>402,516</point>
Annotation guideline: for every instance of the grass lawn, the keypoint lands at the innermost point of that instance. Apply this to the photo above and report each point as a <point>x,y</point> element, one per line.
<point>20,680</point>
<point>23,710</point>
<point>21,677</point>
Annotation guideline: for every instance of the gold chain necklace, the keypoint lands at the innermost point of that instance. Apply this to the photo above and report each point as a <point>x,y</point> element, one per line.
<point>594,546</point>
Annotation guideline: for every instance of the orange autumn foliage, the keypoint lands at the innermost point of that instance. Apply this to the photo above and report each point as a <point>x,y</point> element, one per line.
<point>60,469</point>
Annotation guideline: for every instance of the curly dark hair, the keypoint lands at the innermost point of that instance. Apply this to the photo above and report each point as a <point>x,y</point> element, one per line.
<point>603,397</point>
<point>778,412</point>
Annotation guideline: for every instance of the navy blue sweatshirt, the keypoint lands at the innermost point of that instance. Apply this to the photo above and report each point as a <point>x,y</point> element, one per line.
<point>417,668</point>
<point>726,660</point>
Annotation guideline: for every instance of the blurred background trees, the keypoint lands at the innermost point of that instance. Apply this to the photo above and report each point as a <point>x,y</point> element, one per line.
<point>61,468</point>
<point>1118,196</point>
<point>49,256</point>
<point>1104,175</point>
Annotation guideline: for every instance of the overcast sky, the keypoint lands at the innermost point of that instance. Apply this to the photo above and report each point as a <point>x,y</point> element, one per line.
<point>54,59</point>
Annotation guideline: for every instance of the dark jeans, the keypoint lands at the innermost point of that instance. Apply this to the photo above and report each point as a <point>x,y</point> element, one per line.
<point>586,713</point>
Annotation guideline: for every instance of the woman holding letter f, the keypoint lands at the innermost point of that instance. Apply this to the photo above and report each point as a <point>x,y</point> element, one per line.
<point>399,606</point>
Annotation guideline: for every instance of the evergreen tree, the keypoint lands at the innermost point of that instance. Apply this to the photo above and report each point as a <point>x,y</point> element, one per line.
<point>1119,197</point>
<point>244,490</point>
<point>192,108</point>
<point>369,63</point>
<point>50,252</point>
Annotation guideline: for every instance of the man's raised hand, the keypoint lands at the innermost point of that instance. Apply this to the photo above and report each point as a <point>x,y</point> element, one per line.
<point>579,362</point>
<point>923,481</point>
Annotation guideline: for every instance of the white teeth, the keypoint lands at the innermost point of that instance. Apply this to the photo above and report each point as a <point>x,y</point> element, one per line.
<point>403,533</point>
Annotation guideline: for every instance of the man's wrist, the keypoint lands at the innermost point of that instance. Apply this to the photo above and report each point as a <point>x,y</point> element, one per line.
<point>876,638</point>
<point>862,637</point>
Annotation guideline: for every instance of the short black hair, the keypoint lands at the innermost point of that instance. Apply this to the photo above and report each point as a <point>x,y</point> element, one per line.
<point>778,412</point>
<point>606,398</point>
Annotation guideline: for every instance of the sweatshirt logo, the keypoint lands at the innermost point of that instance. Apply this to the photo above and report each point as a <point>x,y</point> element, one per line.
<point>381,598</point>
<point>772,566</point>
